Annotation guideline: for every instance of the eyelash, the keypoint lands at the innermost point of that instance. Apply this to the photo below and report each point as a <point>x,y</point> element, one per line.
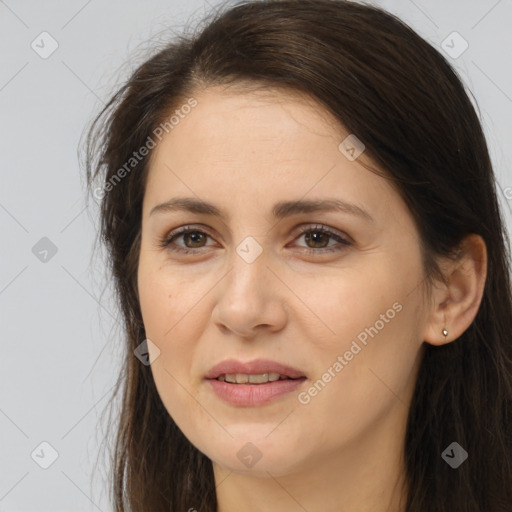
<point>165,242</point>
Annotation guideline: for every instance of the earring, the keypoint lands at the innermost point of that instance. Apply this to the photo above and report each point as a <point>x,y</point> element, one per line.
<point>444,331</point>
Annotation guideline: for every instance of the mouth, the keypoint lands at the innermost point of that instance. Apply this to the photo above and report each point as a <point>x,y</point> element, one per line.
<point>257,371</point>
<point>259,378</point>
<point>254,383</point>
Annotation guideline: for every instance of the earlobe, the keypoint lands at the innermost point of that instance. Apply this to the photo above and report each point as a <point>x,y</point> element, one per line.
<point>457,301</point>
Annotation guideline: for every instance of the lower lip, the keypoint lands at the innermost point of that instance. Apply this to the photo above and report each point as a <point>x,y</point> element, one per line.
<point>250,395</point>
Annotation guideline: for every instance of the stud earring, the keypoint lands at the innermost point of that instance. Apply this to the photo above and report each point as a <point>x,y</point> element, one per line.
<point>444,331</point>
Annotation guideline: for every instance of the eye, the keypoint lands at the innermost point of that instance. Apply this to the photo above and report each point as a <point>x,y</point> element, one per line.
<point>189,234</point>
<point>194,239</point>
<point>318,236</point>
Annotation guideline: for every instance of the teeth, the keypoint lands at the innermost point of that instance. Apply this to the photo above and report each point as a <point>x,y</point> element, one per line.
<point>258,379</point>
<point>241,378</point>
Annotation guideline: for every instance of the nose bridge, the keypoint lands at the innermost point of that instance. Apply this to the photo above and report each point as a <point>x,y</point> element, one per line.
<point>248,266</point>
<point>247,298</point>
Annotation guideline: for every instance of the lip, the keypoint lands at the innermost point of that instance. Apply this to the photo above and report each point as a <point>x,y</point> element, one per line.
<point>252,395</point>
<point>256,366</point>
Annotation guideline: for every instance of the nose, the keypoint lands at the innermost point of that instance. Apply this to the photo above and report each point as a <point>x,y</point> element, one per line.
<point>250,299</point>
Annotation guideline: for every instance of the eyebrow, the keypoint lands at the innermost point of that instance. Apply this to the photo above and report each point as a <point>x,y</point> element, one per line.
<point>279,211</point>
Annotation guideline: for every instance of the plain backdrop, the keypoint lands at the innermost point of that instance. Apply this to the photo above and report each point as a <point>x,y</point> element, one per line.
<point>59,62</point>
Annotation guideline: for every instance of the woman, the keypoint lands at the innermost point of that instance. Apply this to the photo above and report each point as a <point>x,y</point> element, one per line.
<point>301,220</point>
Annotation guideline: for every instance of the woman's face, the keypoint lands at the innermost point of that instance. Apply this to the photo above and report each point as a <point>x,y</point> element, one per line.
<point>340,311</point>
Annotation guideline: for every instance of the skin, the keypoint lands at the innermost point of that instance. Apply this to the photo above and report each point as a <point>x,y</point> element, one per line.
<point>245,151</point>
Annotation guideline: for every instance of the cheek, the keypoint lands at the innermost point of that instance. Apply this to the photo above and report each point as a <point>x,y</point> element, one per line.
<point>164,308</point>
<point>163,300</point>
<point>371,339</point>
<point>357,385</point>
<point>164,305</point>
<point>339,308</point>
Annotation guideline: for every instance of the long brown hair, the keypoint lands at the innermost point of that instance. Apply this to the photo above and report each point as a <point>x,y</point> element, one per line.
<point>408,106</point>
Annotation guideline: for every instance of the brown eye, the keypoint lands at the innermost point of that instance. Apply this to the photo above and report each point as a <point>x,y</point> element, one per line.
<point>317,240</point>
<point>192,239</point>
<point>195,238</point>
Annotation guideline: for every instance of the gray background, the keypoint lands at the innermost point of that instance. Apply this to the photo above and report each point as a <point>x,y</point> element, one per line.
<point>61,336</point>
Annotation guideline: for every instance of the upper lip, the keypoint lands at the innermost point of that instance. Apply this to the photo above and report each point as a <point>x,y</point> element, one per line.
<point>254,367</point>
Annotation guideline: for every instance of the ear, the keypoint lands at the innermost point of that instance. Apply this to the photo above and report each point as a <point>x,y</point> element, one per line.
<point>455,303</point>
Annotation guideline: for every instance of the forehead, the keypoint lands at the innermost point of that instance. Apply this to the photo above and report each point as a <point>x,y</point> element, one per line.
<point>233,124</point>
<point>272,112</point>
<point>248,147</point>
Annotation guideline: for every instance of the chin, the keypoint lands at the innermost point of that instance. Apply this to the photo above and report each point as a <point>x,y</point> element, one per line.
<point>252,451</point>
<point>270,464</point>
